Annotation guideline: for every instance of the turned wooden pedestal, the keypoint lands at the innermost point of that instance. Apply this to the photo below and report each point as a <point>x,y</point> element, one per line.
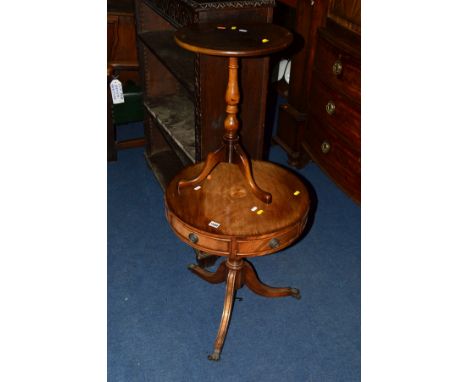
<point>227,205</point>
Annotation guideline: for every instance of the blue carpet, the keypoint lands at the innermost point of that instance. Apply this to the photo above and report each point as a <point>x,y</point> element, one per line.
<point>163,320</point>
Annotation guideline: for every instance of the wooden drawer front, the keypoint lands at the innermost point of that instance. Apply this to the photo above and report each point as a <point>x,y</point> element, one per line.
<point>335,110</point>
<point>338,68</point>
<point>338,159</point>
<point>204,242</point>
<point>268,244</point>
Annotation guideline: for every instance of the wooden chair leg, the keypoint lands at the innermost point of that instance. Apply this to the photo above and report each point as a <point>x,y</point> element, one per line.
<point>256,286</point>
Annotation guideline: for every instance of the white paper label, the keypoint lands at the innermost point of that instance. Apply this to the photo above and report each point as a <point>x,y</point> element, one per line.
<point>116,91</point>
<point>214,224</point>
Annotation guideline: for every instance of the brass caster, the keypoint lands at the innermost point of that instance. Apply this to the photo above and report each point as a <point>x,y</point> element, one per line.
<point>296,293</point>
<point>214,356</point>
<point>191,266</point>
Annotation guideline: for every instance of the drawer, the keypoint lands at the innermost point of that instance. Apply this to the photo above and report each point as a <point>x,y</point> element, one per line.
<point>197,239</point>
<point>339,160</point>
<point>268,244</point>
<point>339,68</point>
<point>334,109</point>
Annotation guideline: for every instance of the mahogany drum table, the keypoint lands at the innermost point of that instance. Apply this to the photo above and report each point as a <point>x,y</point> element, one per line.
<point>228,205</point>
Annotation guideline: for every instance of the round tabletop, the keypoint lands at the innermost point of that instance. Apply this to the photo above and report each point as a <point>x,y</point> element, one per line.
<point>234,39</point>
<point>223,207</point>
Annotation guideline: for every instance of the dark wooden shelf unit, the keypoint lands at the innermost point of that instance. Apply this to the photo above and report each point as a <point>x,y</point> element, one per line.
<point>178,61</point>
<point>164,174</point>
<point>184,92</point>
<point>175,115</point>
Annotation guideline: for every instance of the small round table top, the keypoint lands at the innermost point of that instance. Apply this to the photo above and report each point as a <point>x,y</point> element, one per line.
<point>233,39</point>
<point>223,204</point>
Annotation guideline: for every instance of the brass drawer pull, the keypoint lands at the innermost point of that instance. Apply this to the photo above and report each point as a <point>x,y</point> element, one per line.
<point>325,147</point>
<point>193,238</point>
<point>337,68</point>
<point>274,243</point>
<point>330,107</point>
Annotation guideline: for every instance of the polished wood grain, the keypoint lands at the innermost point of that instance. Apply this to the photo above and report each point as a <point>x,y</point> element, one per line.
<point>309,16</point>
<point>230,151</point>
<point>226,315</point>
<point>234,39</point>
<point>327,69</point>
<point>224,197</point>
<point>237,273</point>
<point>243,40</point>
<point>331,51</point>
<point>243,226</point>
<point>219,206</point>
<point>169,71</point>
<point>346,115</point>
<point>332,138</point>
<point>341,162</point>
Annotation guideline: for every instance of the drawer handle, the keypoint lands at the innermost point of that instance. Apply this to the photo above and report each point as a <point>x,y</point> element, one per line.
<point>193,238</point>
<point>326,146</point>
<point>274,243</point>
<point>330,107</point>
<point>337,68</point>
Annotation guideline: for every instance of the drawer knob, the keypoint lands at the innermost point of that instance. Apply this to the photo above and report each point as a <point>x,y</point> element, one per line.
<point>325,147</point>
<point>337,68</point>
<point>330,107</point>
<point>193,238</point>
<point>274,243</point>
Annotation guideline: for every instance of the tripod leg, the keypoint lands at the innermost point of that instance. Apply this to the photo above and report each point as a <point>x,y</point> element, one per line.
<point>256,286</point>
<point>244,165</point>
<point>212,277</point>
<point>223,326</point>
<point>211,161</point>
<point>205,260</point>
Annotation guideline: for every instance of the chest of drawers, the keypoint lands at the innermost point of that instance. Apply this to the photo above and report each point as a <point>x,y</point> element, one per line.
<point>332,137</point>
